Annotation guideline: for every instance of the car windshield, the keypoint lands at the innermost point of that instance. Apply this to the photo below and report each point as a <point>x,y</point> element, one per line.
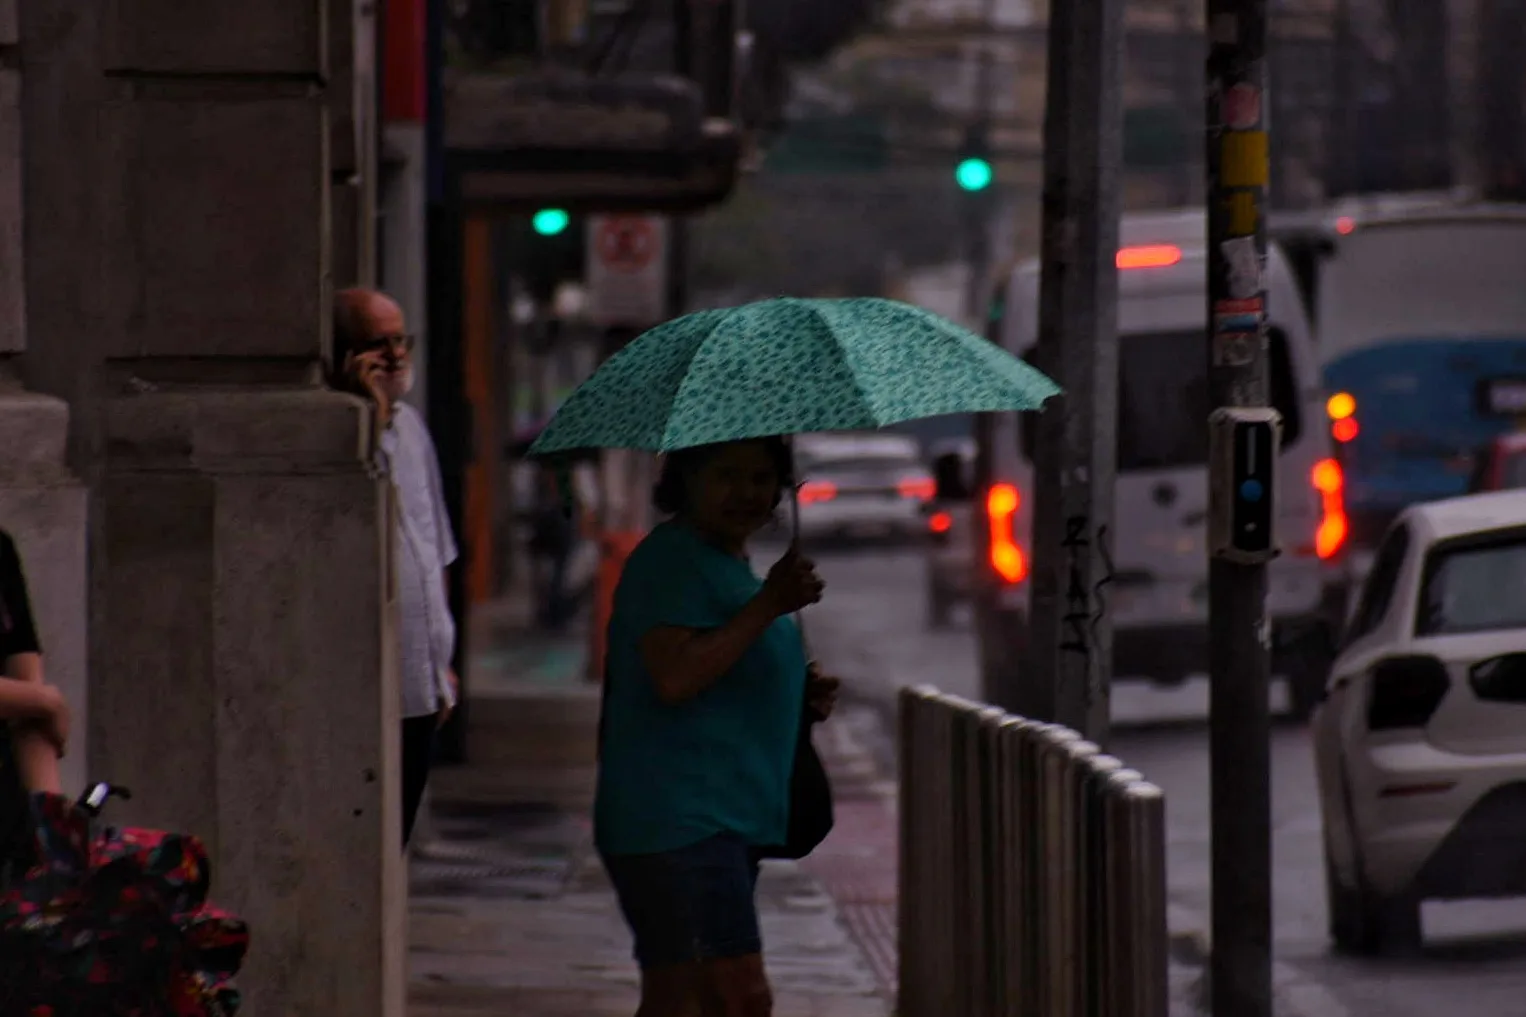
<point>1480,588</point>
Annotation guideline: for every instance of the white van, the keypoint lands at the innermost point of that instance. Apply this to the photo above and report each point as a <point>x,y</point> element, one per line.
<point>1158,599</point>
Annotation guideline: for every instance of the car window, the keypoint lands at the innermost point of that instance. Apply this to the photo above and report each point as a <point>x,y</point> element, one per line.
<point>1382,581</point>
<point>1163,399</point>
<point>1474,587</point>
<point>861,464</point>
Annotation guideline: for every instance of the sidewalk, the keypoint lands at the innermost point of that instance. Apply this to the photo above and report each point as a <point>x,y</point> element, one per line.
<point>510,911</point>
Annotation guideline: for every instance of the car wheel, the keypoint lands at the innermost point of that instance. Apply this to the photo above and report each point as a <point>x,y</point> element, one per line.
<point>1349,929</point>
<point>1307,671</point>
<point>1364,924</point>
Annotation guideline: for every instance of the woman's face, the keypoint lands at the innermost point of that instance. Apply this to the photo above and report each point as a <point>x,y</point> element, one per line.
<point>733,490</point>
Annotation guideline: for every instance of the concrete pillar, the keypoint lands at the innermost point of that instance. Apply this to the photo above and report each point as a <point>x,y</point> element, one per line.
<point>42,504</point>
<point>180,183</point>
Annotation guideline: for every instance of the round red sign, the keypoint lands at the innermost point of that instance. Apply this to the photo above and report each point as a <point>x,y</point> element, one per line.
<point>626,243</point>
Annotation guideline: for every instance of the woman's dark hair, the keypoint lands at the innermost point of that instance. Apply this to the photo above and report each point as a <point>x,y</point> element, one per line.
<point>669,494</point>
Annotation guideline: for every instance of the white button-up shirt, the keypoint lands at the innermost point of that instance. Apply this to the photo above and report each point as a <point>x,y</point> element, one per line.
<point>424,547</point>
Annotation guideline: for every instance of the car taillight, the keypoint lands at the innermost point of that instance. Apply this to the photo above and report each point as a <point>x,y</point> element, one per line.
<point>940,522</point>
<point>1341,409</point>
<point>1330,481</point>
<point>1405,692</point>
<point>918,488</point>
<point>1006,556</point>
<point>816,491</point>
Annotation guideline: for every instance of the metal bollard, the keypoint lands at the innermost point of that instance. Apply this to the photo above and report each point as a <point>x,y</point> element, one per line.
<point>944,860</point>
<point>986,854</point>
<point>1095,969</point>
<point>1137,895</point>
<point>1027,902</point>
<point>1053,874</point>
<point>917,792</point>
<point>1073,960</point>
<point>1006,862</point>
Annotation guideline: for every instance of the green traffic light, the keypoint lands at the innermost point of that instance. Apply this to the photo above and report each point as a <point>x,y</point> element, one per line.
<point>548,222</point>
<point>974,174</point>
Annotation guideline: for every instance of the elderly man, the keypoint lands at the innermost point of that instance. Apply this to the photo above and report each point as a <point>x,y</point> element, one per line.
<point>373,357</point>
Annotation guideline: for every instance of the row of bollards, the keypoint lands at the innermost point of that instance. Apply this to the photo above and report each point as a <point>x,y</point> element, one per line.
<point>1032,872</point>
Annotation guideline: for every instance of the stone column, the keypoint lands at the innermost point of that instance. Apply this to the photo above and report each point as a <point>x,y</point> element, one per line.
<point>42,504</point>
<point>241,682</point>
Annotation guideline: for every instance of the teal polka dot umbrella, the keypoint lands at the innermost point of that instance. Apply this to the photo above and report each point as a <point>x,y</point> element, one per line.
<point>788,366</point>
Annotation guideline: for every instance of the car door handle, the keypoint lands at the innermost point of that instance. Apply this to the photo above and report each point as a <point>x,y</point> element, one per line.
<point>1194,519</point>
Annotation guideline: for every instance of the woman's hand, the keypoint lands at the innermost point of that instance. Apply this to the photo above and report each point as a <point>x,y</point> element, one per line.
<point>820,692</point>
<point>792,584</point>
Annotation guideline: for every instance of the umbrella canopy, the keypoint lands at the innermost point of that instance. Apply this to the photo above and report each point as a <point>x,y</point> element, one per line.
<point>788,366</point>
<point>115,924</point>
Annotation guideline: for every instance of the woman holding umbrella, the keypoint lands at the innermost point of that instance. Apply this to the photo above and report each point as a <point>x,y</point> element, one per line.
<point>706,763</point>
<point>706,679</point>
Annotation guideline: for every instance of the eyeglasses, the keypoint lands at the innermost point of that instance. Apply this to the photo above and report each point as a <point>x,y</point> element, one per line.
<point>403,343</point>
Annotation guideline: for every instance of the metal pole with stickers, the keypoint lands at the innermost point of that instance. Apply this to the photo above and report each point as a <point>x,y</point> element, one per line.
<point>1244,442</point>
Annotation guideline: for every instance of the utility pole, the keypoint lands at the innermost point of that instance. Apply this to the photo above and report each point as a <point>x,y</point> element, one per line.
<point>1071,640</point>
<point>978,204</point>
<point>1244,444</point>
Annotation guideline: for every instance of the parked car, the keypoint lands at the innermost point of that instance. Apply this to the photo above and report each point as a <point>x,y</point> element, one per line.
<point>1420,743</point>
<point>950,515</point>
<point>861,486</point>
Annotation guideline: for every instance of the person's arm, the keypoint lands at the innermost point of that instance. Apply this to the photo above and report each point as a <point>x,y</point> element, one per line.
<point>685,662</point>
<point>33,707</point>
<point>36,711</point>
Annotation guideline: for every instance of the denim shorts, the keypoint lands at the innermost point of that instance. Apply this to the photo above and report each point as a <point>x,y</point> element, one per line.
<point>691,904</point>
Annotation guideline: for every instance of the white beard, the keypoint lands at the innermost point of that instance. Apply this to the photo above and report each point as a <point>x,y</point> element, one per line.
<point>399,385</point>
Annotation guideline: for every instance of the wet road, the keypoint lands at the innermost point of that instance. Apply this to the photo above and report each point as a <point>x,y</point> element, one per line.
<point>871,630</point>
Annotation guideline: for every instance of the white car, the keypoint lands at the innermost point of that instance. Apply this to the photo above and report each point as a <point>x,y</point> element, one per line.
<point>1420,743</point>
<point>860,486</point>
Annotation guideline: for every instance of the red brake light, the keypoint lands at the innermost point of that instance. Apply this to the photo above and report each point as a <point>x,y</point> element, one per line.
<point>940,522</point>
<point>1345,225</point>
<point>1006,557</point>
<point>1330,481</point>
<point>919,488</point>
<point>1149,256</point>
<point>817,491</point>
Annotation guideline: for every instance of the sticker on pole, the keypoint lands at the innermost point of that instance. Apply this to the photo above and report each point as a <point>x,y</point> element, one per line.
<point>1241,107</point>
<point>1237,331</point>
<point>1242,265</point>
<point>627,270</point>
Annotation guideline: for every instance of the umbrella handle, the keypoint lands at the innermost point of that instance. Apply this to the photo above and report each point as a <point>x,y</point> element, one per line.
<point>96,795</point>
<point>794,537</point>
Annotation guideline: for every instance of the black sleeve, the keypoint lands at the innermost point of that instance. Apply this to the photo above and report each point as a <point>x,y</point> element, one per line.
<point>18,634</point>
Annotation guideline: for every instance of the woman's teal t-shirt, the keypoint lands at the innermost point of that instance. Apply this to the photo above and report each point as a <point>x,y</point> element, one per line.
<point>671,775</point>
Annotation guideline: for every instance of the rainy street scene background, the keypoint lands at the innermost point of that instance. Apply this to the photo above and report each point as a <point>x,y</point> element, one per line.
<point>1152,377</point>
